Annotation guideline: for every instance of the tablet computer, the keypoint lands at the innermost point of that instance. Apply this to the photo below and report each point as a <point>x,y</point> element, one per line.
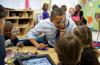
<point>37,60</point>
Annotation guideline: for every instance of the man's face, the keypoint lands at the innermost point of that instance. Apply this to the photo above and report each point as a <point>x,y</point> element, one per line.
<point>59,22</point>
<point>77,8</point>
<point>46,7</point>
<point>71,11</point>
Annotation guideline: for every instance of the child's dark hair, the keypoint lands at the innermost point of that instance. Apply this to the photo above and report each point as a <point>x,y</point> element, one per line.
<point>44,5</point>
<point>2,12</point>
<point>68,49</point>
<point>78,6</point>
<point>84,34</point>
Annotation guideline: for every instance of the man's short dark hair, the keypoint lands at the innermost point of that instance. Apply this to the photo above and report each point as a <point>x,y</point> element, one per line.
<point>2,12</point>
<point>64,7</point>
<point>57,12</point>
<point>54,7</point>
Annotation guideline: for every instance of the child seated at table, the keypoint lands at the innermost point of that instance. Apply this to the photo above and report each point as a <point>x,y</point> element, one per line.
<point>88,56</point>
<point>13,40</point>
<point>68,49</point>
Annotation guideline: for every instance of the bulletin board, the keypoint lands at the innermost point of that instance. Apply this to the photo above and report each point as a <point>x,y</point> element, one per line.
<point>91,8</point>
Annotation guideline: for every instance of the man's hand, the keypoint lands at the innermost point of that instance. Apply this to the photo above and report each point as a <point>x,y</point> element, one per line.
<point>62,32</point>
<point>38,45</point>
<point>41,46</point>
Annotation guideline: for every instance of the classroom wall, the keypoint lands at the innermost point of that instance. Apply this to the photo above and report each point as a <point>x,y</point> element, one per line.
<point>68,3</point>
<point>46,1</point>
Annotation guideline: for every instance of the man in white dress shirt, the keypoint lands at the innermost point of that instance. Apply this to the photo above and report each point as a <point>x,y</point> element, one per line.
<point>49,27</point>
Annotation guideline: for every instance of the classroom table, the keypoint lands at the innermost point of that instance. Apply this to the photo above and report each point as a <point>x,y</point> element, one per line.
<point>32,49</point>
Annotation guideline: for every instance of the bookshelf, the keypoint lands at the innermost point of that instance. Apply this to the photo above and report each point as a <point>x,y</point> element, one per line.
<point>22,21</point>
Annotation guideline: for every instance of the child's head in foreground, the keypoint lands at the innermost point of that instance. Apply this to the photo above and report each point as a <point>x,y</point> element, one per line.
<point>68,49</point>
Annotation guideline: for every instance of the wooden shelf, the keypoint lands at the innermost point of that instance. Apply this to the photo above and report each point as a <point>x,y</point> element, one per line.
<point>24,27</point>
<point>19,18</point>
<point>22,21</point>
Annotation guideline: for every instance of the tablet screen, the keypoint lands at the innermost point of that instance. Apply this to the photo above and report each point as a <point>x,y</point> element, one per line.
<point>37,61</point>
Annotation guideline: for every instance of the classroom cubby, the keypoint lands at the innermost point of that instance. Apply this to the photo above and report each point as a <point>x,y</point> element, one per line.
<point>22,21</point>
